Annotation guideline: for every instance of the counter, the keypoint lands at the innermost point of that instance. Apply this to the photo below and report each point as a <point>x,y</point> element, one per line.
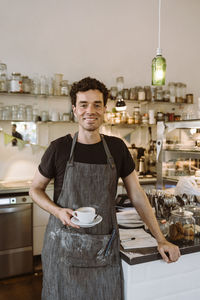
<point>11,187</point>
<point>147,276</point>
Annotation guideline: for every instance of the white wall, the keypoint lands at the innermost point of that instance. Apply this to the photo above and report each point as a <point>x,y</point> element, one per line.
<point>101,38</point>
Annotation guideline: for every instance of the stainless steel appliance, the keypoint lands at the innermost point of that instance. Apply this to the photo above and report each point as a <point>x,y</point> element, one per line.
<point>16,246</point>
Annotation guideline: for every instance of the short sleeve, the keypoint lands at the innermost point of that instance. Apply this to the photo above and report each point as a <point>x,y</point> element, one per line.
<point>47,164</point>
<point>127,163</point>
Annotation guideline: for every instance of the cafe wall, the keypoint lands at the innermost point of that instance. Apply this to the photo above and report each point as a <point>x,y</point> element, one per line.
<point>99,38</point>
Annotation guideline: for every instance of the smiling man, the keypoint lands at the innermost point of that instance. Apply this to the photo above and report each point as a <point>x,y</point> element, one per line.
<point>84,263</point>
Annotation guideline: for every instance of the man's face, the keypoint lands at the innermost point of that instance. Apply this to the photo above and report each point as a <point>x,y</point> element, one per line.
<point>89,109</point>
<point>13,128</point>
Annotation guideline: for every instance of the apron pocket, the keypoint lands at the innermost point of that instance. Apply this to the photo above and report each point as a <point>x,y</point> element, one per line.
<point>87,250</point>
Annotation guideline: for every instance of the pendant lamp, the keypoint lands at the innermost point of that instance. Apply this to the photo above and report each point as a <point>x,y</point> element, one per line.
<point>158,62</point>
<point>120,104</point>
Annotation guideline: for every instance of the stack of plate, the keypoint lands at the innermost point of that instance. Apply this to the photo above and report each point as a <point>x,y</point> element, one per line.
<point>129,218</point>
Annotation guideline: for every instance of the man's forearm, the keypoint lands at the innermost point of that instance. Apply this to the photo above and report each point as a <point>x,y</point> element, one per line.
<point>42,199</point>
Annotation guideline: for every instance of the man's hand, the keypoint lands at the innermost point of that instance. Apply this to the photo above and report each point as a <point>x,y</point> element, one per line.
<point>65,215</point>
<point>172,250</point>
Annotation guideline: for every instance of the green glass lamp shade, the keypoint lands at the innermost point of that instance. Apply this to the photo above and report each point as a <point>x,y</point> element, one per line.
<point>158,70</point>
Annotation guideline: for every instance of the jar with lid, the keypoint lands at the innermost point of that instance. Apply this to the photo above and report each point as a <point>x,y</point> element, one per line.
<point>26,84</point>
<point>3,77</point>
<point>181,226</point>
<point>133,94</point>
<point>159,93</point>
<point>136,115</point>
<point>64,88</point>
<point>123,117</point>
<point>15,83</point>
<point>166,96</point>
<point>196,214</point>
<point>184,89</point>
<point>179,93</point>
<point>125,94</point>
<point>172,92</point>
<point>160,116</point>
<point>141,94</point>
<point>145,119</point>
<point>147,90</point>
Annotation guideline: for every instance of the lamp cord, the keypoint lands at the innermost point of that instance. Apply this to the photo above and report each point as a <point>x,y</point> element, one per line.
<point>159,9</point>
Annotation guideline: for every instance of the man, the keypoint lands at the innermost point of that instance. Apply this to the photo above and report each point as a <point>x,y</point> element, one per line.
<point>16,134</point>
<point>84,263</point>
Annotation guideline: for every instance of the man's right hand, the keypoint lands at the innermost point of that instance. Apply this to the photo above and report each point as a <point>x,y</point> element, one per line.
<point>65,215</point>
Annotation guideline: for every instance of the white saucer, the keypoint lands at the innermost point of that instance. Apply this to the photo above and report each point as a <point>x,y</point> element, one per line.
<point>96,221</point>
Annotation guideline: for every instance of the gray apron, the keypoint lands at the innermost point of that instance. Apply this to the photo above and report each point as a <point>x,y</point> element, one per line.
<point>84,263</point>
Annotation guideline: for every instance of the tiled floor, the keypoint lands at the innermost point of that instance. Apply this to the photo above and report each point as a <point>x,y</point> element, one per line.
<point>26,287</point>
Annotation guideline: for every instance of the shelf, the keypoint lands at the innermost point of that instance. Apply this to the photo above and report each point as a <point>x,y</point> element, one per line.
<point>40,122</point>
<point>33,95</point>
<point>129,125</point>
<point>145,102</point>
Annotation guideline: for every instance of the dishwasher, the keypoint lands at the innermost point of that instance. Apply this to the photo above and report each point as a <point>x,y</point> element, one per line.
<point>16,234</point>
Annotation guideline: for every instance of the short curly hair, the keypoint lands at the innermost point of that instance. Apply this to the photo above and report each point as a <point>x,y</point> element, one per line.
<point>87,84</point>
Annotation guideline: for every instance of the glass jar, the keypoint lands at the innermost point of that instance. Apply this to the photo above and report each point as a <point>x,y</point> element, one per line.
<point>179,93</point>
<point>147,90</point>
<point>196,214</point>
<point>57,84</point>
<point>141,94</point>
<point>166,96</point>
<point>3,77</point>
<point>64,88</point>
<point>136,115</point>
<point>15,83</point>
<point>189,98</point>
<point>133,94</point>
<point>26,84</point>
<point>145,119</point>
<point>123,117</point>
<point>160,116</point>
<point>113,93</point>
<point>125,94</point>
<point>159,93</point>
<point>172,92</point>
<point>181,226</point>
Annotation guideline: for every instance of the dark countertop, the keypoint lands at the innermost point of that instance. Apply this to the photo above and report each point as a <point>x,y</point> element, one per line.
<point>142,255</point>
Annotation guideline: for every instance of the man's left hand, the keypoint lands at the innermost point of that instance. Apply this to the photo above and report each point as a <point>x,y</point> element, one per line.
<point>172,250</point>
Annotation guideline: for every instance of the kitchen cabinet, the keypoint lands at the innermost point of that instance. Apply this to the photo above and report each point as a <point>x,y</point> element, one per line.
<point>158,280</point>
<point>40,220</point>
<point>178,150</point>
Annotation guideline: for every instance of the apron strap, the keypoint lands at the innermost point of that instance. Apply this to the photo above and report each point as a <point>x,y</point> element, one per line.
<point>110,159</point>
<point>71,157</point>
<point>108,154</point>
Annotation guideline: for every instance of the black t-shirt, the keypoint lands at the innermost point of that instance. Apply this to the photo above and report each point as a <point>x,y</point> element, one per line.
<point>55,158</point>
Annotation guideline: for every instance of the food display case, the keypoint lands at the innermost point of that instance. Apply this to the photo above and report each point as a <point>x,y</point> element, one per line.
<point>178,151</point>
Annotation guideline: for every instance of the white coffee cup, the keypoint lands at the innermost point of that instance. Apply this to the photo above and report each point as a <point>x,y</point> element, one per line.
<point>85,214</point>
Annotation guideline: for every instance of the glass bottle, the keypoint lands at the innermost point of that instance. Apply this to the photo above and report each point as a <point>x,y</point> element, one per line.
<point>158,69</point>
<point>3,77</point>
